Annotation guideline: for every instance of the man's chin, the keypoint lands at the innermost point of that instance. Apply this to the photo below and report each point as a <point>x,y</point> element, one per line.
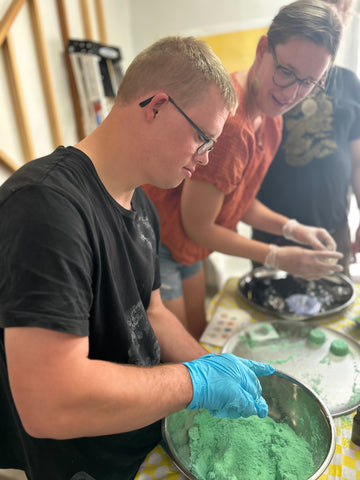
<point>168,185</point>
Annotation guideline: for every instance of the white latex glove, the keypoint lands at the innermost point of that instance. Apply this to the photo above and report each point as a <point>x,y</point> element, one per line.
<point>317,238</point>
<point>301,262</point>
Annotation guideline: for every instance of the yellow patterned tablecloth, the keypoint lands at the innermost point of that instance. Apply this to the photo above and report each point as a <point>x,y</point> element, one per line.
<point>345,464</point>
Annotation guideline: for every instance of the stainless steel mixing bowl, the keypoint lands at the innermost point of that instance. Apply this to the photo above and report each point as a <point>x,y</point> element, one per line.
<point>290,402</point>
<point>269,290</point>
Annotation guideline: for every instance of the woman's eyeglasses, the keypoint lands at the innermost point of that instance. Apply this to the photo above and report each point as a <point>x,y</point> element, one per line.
<point>283,77</point>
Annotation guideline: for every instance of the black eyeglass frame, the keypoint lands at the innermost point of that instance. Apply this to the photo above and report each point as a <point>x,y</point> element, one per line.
<point>205,147</point>
<point>307,82</point>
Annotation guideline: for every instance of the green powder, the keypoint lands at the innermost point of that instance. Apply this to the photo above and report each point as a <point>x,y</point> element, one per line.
<point>244,448</point>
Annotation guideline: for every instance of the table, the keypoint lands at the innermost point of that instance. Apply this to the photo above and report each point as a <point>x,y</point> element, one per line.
<point>345,464</point>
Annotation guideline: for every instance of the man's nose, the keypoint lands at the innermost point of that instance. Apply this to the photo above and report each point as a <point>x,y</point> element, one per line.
<point>203,159</point>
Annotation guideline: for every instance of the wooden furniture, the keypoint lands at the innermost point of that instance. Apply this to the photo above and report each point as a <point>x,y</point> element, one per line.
<point>14,80</point>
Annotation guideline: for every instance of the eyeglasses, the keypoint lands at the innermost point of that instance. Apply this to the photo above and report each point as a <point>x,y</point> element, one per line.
<point>208,142</point>
<point>283,77</point>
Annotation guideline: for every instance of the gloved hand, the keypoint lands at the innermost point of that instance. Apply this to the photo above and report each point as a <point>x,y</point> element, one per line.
<point>301,262</point>
<point>227,386</point>
<point>317,238</point>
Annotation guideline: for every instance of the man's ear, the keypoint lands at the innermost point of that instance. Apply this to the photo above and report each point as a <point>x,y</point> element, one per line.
<point>152,109</point>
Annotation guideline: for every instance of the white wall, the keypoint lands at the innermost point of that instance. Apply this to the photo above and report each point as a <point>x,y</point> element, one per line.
<point>151,20</point>
<point>157,18</point>
<point>349,51</point>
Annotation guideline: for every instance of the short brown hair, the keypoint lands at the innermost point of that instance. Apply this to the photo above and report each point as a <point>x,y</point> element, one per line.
<point>314,20</point>
<point>183,67</point>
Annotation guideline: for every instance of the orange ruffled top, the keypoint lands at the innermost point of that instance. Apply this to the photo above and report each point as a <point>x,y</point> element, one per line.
<point>237,166</point>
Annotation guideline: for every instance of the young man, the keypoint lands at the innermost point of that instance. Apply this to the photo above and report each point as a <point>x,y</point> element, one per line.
<point>94,359</point>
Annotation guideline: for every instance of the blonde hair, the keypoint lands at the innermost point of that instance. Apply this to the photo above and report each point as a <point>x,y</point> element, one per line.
<point>182,67</point>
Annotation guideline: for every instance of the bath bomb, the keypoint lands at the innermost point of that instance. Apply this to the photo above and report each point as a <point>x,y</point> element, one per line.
<point>317,336</point>
<point>339,347</point>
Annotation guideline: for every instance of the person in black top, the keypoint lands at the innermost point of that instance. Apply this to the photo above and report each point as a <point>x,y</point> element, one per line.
<point>317,165</point>
<point>90,359</point>
<point>318,162</point>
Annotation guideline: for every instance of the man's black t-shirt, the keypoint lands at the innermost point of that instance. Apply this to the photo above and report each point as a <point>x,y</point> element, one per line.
<point>73,260</point>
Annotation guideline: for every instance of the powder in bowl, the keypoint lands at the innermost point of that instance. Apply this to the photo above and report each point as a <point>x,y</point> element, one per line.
<point>247,448</point>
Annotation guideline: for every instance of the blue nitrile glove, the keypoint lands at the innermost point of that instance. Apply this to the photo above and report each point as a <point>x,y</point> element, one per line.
<point>227,386</point>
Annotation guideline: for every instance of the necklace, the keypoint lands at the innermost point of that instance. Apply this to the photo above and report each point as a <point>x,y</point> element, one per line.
<point>309,107</point>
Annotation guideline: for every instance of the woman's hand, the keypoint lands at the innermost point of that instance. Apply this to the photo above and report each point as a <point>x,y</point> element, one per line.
<point>317,238</point>
<point>301,262</point>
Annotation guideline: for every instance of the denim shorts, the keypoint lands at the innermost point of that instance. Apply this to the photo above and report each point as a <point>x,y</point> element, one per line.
<point>172,273</point>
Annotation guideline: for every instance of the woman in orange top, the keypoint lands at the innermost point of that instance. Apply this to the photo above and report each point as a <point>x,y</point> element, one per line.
<point>200,215</point>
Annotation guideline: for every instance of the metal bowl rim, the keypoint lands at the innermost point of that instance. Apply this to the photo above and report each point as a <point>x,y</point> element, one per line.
<point>334,413</point>
<point>282,274</point>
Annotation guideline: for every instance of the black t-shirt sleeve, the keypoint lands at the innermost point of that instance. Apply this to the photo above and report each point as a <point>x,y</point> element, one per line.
<point>46,265</point>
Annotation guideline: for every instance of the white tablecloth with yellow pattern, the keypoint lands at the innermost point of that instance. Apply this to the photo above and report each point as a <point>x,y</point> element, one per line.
<point>345,464</point>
